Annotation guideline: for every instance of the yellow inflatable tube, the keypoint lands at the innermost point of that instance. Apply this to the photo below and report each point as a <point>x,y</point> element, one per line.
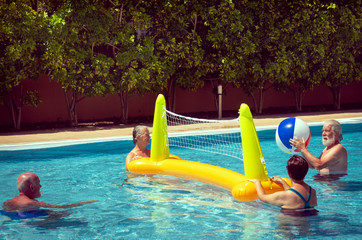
<point>241,189</point>
<point>161,162</point>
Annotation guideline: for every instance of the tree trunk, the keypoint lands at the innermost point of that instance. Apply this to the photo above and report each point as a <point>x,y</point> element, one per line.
<point>11,110</point>
<point>338,103</point>
<point>215,94</point>
<point>298,97</point>
<point>216,99</point>
<point>261,100</point>
<point>299,104</point>
<point>170,95</point>
<point>15,110</point>
<point>123,96</point>
<point>72,108</point>
<point>254,101</point>
<point>336,93</point>
<point>74,112</point>
<point>258,105</point>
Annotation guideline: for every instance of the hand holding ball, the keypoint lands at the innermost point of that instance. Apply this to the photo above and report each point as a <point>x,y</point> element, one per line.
<point>288,129</point>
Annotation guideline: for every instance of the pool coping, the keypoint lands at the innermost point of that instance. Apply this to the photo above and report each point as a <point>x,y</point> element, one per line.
<point>41,139</point>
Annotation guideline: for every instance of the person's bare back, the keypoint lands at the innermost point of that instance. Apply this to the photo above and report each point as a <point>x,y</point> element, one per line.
<point>20,204</point>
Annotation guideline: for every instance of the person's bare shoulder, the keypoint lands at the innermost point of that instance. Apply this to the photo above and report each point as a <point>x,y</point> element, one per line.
<point>7,205</point>
<point>342,149</point>
<point>339,152</point>
<point>130,157</point>
<point>20,204</point>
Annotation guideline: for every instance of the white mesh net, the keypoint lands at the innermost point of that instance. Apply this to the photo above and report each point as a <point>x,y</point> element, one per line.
<point>215,136</point>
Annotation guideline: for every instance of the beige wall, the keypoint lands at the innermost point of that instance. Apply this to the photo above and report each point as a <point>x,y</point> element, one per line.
<point>53,107</point>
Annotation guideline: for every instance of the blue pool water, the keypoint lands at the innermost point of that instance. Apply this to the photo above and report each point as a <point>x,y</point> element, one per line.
<point>164,207</point>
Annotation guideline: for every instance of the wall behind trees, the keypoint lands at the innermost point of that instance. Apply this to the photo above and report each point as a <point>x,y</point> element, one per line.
<point>202,100</point>
<point>53,108</point>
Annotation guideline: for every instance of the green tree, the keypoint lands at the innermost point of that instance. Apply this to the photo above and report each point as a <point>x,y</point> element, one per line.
<point>262,31</point>
<point>176,31</point>
<point>74,54</point>
<point>341,64</point>
<point>225,43</point>
<point>136,68</point>
<point>22,36</point>
<point>301,48</point>
<point>241,35</point>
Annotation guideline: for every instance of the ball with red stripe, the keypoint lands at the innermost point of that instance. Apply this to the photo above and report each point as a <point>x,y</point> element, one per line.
<point>288,129</point>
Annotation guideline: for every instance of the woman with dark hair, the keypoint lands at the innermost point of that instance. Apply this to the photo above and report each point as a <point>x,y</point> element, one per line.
<point>298,196</point>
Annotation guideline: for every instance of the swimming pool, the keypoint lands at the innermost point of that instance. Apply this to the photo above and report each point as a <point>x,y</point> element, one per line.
<point>164,207</point>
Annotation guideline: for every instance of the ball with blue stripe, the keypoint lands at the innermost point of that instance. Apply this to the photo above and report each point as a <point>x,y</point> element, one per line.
<point>288,129</point>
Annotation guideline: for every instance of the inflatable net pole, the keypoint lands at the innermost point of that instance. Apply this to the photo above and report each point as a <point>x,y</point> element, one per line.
<point>254,164</point>
<point>159,143</point>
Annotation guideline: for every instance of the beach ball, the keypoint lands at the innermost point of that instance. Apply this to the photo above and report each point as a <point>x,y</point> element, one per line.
<point>289,128</point>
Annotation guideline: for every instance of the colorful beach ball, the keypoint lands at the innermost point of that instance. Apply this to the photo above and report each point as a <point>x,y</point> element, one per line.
<point>289,128</point>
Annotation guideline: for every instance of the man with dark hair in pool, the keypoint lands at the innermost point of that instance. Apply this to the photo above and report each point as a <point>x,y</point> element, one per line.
<point>299,196</point>
<point>141,138</point>
<point>333,159</point>
<point>25,205</point>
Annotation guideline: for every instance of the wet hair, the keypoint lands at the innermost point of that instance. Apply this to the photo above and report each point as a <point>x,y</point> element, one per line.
<point>336,127</point>
<point>297,167</point>
<point>137,131</point>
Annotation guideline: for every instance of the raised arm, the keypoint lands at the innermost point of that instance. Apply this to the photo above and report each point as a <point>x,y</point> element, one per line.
<point>328,158</point>
<point>299,144</point>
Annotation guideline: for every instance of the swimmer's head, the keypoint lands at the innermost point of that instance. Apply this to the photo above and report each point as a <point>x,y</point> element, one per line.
<point>297,167</point>
<point>138,131</point>
<point>29,184</point>
<point>336,128</point>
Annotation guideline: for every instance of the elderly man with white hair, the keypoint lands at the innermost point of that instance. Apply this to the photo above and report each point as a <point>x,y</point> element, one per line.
<point>333,159</point>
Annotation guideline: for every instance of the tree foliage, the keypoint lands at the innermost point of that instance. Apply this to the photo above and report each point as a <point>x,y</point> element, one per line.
<point>124,47</point>
<point>22,35</point>
<point>342,62</point>
<point>136,68</point>
<point>74,54</point>
<point>178,44</point>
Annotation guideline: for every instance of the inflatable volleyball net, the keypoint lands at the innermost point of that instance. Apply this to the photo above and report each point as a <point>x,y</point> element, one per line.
<point>171,129</point>
<point>235,138</point>
<point>214,136</point>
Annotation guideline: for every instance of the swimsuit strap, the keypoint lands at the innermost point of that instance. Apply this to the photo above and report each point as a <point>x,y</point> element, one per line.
<point>307,205</point>
<point>306,202</point>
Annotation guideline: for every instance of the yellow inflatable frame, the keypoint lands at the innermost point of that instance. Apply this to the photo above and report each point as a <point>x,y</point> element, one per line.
<point>162,162</point>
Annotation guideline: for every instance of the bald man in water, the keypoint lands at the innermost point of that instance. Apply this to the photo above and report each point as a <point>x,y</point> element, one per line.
<point>29,188</point>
